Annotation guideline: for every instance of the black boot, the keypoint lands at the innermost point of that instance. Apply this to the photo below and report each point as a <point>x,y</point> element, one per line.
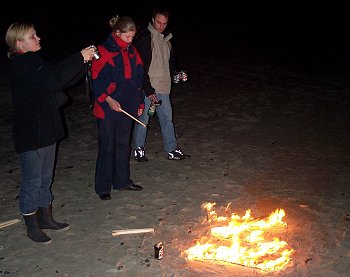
<point>34,231</point>
<point>46,220</point>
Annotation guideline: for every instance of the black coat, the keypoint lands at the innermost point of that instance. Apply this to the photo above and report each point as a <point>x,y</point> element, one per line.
<point>37,121</point>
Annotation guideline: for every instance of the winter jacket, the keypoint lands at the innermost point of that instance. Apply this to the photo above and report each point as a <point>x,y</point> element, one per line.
<point>118,74</point>
<point>37,120</point>
<point>143,43</point>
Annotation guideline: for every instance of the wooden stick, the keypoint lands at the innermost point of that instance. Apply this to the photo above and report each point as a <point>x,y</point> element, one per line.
<point>131,231</point>
<point>143,124</point>
<point>9,222</point>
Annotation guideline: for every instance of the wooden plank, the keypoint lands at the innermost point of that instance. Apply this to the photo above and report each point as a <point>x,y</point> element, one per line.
<point>9,222</point>
<point>131,231</point>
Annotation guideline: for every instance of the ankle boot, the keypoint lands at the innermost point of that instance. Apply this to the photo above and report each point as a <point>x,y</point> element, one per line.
<point>34,231</point>
<point>46,220</point>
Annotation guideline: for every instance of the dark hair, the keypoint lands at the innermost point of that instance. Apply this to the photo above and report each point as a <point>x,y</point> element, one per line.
<point>163,11</point>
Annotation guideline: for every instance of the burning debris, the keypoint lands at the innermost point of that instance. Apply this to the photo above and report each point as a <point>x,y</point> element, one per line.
<point>243,240</point>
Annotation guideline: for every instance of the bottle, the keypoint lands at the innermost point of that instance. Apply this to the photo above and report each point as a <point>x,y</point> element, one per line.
<point>152,109</point>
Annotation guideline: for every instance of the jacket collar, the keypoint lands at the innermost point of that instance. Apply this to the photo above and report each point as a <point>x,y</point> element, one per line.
<point>162,37</point>
<point>121,43</point>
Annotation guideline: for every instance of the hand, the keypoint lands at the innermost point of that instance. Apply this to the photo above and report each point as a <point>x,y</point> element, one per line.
<point>88,53</point>
<point>113,104</point>
<point>153,98</point>
<point>139,112</point>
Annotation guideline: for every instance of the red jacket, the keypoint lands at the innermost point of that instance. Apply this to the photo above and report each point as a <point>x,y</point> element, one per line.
<point>118,74</point>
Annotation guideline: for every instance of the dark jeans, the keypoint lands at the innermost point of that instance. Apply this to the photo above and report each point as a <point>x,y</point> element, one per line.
<point>37,172</point>
<point>113,158</point>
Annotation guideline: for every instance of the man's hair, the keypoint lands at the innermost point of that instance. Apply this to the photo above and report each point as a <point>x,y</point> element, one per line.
<point>163,11</point>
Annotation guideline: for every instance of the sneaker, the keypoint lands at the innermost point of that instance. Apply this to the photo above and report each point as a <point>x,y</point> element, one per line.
<point>177,154</point>
<point>140,154</point>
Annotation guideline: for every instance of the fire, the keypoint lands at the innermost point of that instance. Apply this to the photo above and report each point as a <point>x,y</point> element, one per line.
<point>243,240</point>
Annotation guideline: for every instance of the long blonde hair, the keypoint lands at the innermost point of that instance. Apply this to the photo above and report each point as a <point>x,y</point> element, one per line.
<point>16,32</point>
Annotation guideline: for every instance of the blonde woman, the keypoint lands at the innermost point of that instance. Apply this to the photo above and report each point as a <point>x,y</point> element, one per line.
<point>37,123</point>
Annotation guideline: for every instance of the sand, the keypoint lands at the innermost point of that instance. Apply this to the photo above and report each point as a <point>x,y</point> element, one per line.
<point>260,136</point>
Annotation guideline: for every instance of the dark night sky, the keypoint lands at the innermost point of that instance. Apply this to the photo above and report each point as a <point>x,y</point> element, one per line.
<point>309,30</point>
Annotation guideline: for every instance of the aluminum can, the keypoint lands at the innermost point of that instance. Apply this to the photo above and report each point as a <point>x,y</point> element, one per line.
<point>159,251</point>
<point>184,76</point>
<point>176,77</point>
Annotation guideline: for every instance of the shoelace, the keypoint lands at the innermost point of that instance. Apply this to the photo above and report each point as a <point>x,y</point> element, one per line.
<point>141,152</point>
<point>179,151</point>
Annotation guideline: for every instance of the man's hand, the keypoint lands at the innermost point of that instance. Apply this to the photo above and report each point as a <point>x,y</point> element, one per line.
<point>153,98</point>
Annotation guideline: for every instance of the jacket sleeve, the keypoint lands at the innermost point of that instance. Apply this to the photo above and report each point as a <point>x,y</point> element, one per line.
<point>103,83</point>
<point>140,76</point>
<point>143,45</point>
<point>172,62</point>
<point>70,70</point>
<point>45,76</point>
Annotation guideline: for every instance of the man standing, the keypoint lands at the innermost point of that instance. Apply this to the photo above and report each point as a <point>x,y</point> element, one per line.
<point>159,67</point>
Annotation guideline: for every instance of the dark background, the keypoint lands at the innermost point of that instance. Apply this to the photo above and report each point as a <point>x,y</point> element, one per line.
<point>308,35</point>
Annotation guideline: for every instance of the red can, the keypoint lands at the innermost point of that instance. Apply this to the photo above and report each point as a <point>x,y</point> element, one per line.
<point>184,76</point>
<point>159,250</point>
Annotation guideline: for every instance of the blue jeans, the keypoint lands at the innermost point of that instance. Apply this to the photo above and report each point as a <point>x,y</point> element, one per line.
<point>113,158</point>
<point>37,173</point>
<point>165,116</point>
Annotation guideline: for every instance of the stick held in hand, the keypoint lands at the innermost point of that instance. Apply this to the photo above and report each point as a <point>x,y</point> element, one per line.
<point>143,124</point>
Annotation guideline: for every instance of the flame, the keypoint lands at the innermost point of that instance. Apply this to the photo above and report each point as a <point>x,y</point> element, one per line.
<point>243,240</point>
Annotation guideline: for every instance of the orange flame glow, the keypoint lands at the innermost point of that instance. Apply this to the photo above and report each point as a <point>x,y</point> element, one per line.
<point>243,240</point>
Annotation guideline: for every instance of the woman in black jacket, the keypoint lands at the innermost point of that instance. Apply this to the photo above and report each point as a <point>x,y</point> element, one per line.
<point>37,122</point>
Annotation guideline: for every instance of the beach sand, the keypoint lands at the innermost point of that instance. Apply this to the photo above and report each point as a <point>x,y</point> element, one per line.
<point>261,137</point>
